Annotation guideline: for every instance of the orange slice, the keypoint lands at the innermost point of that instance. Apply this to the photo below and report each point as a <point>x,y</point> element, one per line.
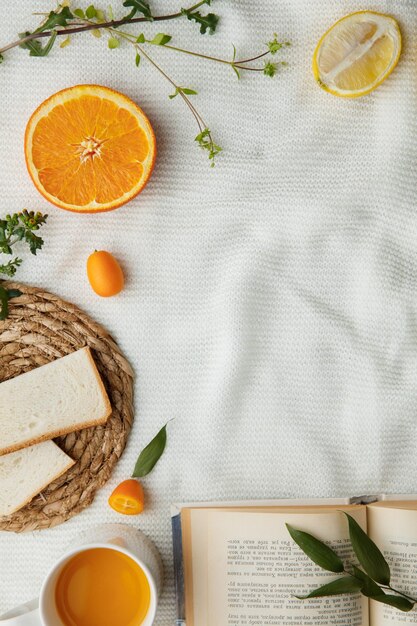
<point>89,148</point>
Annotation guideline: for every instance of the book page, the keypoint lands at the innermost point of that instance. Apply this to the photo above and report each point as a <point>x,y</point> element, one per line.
<point>393,527</point>
<point>252,570</point>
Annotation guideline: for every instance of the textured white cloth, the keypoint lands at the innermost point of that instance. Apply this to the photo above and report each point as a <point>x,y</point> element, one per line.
<point>271,303</point>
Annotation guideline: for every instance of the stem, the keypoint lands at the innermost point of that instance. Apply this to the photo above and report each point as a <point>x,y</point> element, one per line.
<point>237,64</point>
<point>259,56</point>
<point>96,26</point>
<point>200,121</point>
<point>173,83</point>
<point>400,593</point>
<point>198,54</point>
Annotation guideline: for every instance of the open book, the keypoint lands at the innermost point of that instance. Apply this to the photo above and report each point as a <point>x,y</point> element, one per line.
<point>236,564</point>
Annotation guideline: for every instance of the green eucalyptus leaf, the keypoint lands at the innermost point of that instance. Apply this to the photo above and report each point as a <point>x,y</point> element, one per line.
<point>395,601</point>
<point>141,38</point>
<point>188,92</point>
<point>316,550</point>
<point>137,59</point>
<point>369,587</point>
<point>150,455</point>
<point>369,555</point>
<point>346,584</point>
<point>79,13</point>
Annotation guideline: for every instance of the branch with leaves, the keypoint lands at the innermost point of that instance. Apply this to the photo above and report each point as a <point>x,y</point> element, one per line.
<point>65,22</point>
<point>19,227</point>
<point>373,580</point>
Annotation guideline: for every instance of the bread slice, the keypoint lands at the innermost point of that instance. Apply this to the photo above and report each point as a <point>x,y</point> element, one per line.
<point>52,400</point>
<point>23,474</point>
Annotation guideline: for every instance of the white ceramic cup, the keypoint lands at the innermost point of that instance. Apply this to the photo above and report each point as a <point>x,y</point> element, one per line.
<point>118,537</point>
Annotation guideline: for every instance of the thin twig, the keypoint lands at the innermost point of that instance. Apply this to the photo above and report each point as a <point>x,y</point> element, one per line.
<point>96,26</point>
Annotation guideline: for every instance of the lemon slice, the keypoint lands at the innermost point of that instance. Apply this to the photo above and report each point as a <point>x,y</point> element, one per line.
<point>357,54</point>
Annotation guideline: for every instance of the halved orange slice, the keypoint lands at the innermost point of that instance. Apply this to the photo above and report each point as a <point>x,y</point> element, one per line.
<point>89,148</point>
<point>357,54</point>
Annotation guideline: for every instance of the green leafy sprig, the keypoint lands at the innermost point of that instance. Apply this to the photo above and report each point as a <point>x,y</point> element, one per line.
<point>66,22</point>
<point>204,137</point>
<point>373,580</point>
<point>19,227</point>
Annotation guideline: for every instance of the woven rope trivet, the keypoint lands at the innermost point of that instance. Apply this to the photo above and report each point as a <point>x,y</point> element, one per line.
<point>41,328</point>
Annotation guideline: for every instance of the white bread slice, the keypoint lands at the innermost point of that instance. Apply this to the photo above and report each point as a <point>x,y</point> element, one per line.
<point>52,400</point>
<point>23,474</point>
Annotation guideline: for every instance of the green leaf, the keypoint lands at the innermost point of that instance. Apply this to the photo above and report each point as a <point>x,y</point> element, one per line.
<point>4,302</point>
<point>10,268</point>
<point>369,555</point>
<point>236,71</point>
<point>175,94</point>
<point>113,43</point>
<point>369,587</point>
<point>184,90</point>
<point>150,455</point>
<point>35,47</point>
<point>1,58</point>
<point>54,19</point>
<point>138,6</point>
<point>79,13</point>
<point>207,22</point>
<point>91,12</point>
<point>205,141</point>
<point>137,59</point>
<point>14,293</point>
<point>141,38</point>
<point>96,33</point>
<point>346,584</point>
<point>275,46</point>
<point>160,39</point>
<point>270,69</point>
<point>396,601</point>
<point>316,550</point>
<point>66,42</point>
<point>35,242</point>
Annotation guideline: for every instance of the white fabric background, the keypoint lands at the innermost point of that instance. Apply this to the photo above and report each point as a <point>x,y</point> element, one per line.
<point>271,303</point>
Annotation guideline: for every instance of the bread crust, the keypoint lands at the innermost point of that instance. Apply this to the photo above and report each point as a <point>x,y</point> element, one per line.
<point>65,431</point>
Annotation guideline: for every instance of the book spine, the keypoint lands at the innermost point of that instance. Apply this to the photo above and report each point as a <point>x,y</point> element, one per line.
<point>364,499</point>
<point>178,569</point>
